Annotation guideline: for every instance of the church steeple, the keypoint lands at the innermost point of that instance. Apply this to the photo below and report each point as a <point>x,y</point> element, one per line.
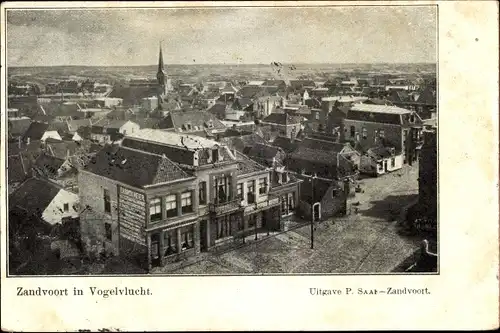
<point>161,75</point>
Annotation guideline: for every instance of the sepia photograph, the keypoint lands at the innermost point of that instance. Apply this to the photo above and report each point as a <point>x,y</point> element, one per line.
<point>222,141</point>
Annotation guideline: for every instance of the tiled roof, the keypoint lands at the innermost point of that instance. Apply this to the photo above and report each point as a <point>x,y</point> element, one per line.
<point>34,195</point>
<point>62,149</point>
<point>59,126</point>
<point>262,151</point>
<point>74,125</point>
<point>19,168</point>
<point>323,145</point>
<point>286,143</point>
<point>282,119</point>
<point>249,91</point>
<point>218,109</point>
<point>273,83</point>
<point>35,131</point>
<point>298,84</point>
<point>247,165</point>
<point>48,165</point>
<point>375,117</point>
<point>314,155</point>
<point>198,120</point>
<point>148,122</point>
<point>134,167</point>
<point>133,95</point>
<point>17,127</point>
<point>240,142</point>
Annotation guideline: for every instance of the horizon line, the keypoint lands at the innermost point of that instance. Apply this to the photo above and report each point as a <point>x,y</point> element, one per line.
<point>235,64</point>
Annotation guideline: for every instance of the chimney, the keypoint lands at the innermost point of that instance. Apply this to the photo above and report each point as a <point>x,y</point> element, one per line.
<point>29,140</point>
<point>19,142</point>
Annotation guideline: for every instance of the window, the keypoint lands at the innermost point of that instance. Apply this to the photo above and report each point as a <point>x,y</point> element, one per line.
<point>239,191</point>
<point>291,202</point>
<point>334,193</point>
<point>222,185</point>
<point>353,131</point>
<point>107,227</point>
<point>171,205</point>
<point>381,133</point>
<point>412,118</point>
<point>251,191</point>
<point>170,242</point>
<point>262,185</point>
<point>155,209</point>
<point>202,197</point>
<point>215,155</point>
<point>66,207</point>
<point>107,202</point>
<point>186,202</point>
<point>284,178</point>
<point>393,162</point>
<point>364,133</point>
<point>187,238</point>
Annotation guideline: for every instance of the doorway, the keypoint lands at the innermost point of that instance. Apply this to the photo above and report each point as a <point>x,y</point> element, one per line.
<point>316,211</point>
<point>155,249</point>
<point>385,165</point>
<point>203,236</point>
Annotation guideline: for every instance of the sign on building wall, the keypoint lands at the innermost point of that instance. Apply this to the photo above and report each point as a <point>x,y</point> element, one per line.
<point>132,210</point>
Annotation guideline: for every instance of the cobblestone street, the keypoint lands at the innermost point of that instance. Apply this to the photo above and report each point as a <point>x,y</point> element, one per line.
<point>362,242</point>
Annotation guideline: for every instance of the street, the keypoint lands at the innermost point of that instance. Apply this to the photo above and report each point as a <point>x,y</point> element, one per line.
<point>362,242</point>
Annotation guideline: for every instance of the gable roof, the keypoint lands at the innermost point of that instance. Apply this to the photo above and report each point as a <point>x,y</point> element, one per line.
<point>34,195</point>
<point>134,167</point>
<point>262,151</point>
<point>35,131</point>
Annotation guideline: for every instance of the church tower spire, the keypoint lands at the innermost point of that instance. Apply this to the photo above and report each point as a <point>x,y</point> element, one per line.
<point>161,75</point>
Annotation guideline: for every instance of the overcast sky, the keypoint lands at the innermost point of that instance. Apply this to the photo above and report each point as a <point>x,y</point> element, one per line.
<point>231,35</point>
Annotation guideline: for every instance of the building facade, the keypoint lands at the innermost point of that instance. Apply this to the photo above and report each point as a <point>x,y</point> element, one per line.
<point>391,126</point>
<point>165,196</point>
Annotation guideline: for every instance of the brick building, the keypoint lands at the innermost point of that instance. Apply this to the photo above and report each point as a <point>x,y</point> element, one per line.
<point>392,126</point>
<point>167,196</point>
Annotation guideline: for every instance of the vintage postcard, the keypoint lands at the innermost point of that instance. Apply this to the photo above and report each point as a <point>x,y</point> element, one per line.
<point>249,165</point>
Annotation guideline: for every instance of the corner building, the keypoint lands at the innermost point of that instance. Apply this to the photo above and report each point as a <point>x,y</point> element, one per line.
<point>163,197</point>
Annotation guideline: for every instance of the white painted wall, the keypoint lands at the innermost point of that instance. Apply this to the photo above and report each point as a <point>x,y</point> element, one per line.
<point>398,163</point>
<point>129,127</point>
<point>52,214</point>
<point>50,134</point>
